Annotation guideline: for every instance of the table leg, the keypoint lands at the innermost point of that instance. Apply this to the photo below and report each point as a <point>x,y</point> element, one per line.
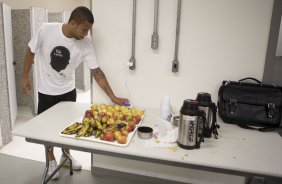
<point>45,180</point>
<point>68,158</point>
<point>46,165</point>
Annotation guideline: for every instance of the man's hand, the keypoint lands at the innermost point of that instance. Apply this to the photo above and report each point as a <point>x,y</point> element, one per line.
<point>120,101</point>
<point>28,60</point>
<point>26,87</point>
<point>101,79</point>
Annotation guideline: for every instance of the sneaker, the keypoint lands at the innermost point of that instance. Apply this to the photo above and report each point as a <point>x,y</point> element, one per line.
<point>75,164</point>
<point>52,168</point>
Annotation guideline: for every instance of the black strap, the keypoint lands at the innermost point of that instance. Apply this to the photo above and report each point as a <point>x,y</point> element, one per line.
<point>261,129</point>
<point>214,126</point>
<point>269,129</point>
<point>250,78</point>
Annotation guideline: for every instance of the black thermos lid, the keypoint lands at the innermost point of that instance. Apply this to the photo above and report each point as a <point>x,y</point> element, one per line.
<point>190,107</point>
<point>204,99</point>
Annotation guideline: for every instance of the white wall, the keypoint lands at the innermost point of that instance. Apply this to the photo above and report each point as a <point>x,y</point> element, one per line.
<point>219,40</point>
<point>51,5</point>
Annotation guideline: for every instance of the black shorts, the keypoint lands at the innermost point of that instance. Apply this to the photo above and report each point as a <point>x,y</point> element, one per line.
<point>47,101</point>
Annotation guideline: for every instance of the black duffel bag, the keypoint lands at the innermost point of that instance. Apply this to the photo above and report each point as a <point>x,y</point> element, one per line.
<point>250,105</point>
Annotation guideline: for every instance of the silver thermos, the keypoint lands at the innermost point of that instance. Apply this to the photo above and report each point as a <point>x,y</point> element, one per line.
<point>189,136</point>
<point>206,104</point>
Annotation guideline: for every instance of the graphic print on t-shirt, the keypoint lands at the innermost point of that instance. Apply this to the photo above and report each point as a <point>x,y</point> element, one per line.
<point>60,57</point>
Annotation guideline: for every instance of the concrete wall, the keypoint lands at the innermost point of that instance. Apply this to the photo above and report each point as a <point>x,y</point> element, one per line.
<point>219,40</point>
<point>21,26</point>
<point>55,17</point>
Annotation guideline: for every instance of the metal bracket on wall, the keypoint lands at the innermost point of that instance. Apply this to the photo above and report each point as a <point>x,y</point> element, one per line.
<point>155,36</point>
<point>175,62</point>
<point>132,60</point>
<point>257,180</point>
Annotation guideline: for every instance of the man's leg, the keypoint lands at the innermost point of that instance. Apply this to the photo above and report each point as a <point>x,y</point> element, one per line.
<point>44,103</point>
<point>70,96</point>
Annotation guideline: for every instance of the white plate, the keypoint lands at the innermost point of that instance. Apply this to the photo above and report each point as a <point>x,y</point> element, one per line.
<point>92,138</point>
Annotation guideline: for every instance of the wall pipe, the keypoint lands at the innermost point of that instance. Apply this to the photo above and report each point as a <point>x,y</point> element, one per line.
<point>175,62</point>
<point>155,37</point>
<point>132,60</point>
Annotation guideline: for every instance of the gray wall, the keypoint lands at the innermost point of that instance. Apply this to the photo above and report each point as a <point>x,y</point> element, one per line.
<point>273,64</point>
<point>55,17</point>
<point>5,119</point>
<point>21,26</point>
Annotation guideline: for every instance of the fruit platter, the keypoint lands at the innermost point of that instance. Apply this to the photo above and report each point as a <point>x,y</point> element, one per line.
<point>109,124</point>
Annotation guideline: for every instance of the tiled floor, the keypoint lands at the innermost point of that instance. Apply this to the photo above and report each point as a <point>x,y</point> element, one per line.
<point>20,148</point>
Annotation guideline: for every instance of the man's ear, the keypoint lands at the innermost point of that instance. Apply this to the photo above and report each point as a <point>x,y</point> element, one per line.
<point>72,22</point>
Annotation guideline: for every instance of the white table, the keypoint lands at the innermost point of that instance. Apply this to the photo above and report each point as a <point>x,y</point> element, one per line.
<point>237,151</point>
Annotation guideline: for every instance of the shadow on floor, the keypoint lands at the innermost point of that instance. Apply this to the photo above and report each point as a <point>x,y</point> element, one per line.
<point>14,170</point>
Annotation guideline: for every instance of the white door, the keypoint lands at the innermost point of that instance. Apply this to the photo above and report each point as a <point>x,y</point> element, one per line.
<point>38,17</point>
<point>1,142</point>
<point>10,62</point>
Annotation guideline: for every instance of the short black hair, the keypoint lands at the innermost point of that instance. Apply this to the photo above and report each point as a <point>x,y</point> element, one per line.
<point>81,14</point>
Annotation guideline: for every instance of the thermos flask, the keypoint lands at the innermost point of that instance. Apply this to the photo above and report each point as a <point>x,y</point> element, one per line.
<point>188,132</point>
<point>206,104</point>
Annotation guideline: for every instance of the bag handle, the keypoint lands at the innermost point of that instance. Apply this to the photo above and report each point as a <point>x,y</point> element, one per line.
<point>250,78</point>
<point>263,129</point>
<point>215,126</point>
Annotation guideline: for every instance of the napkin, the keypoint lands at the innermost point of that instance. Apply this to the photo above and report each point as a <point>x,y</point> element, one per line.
<point>164,133</point>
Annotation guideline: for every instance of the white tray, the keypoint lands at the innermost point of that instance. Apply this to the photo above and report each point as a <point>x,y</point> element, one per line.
<point>115,143</point>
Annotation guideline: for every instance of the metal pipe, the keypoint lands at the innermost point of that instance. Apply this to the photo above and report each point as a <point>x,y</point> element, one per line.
<point>175,63</point>
<point>156,14</point>
<point>155,37</point>
<point>133,28</point>
<point>132,59</point>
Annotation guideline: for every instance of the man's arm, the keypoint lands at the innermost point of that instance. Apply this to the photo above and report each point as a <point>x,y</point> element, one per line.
<point>101,79</point>
<point>28,60</point>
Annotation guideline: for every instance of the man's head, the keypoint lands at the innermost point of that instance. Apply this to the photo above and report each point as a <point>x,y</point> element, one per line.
<point>81,21</point>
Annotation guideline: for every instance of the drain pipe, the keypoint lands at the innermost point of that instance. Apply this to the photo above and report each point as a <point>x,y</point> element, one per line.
<point>175,62</point>
<point>132,61</point>
<point>155,37</point>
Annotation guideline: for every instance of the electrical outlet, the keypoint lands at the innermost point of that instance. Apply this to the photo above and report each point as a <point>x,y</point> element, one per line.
<point>175,66</point>
<point>131,63</point>
<point>154,41</point>
<point>257,180</point>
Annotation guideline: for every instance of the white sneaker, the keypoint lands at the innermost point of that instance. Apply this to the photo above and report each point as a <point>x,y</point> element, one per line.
<point>75,164</point>
<point>52,168</point>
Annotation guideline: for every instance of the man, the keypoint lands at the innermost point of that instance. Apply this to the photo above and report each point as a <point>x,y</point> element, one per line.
<point>60,48</point>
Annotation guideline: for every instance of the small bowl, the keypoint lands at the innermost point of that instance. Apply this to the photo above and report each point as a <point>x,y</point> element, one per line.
<point>145,132</point>
<point>176,120</point>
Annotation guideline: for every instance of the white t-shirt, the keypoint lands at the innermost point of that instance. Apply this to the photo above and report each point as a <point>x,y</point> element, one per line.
<point>58,57</point>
